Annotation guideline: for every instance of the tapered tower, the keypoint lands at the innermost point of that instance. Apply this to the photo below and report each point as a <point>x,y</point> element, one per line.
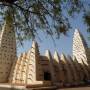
<point>7,49</point>
<point>34,72</point>
<point>80,48</point>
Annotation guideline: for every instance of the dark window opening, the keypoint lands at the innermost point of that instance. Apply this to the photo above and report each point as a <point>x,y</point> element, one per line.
<point>47,76</point>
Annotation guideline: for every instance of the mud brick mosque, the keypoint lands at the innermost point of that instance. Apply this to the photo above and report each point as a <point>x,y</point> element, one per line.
<point>33,68</point>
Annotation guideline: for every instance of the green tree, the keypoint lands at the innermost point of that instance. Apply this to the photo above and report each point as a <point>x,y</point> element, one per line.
<point>29,16</point>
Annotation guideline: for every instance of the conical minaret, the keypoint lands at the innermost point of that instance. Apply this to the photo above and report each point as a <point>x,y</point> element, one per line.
<point>7,49</point>
<point>80,47</point>
<point>34,67</point>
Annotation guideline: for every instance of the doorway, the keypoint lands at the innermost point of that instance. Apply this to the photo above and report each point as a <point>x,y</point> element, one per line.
<point>47,76</point>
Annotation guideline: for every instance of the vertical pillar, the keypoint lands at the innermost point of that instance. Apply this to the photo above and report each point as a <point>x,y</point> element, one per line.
<point>73,71</point>
<point>60,74</point>
<point>79,69</point>
<point>48,55</point>
<point>68,76</point>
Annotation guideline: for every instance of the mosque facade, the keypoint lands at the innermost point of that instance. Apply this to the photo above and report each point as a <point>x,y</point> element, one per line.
<point>32,68</point>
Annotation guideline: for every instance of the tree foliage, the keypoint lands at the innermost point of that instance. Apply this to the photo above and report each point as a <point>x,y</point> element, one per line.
<point>29,16</point>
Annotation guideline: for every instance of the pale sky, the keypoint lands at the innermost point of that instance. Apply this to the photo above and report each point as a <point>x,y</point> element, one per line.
<point>64,44</point>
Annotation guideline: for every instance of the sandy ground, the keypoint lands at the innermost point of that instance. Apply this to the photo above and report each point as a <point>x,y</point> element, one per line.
<point>79,88</point>
<point>9,87</point>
